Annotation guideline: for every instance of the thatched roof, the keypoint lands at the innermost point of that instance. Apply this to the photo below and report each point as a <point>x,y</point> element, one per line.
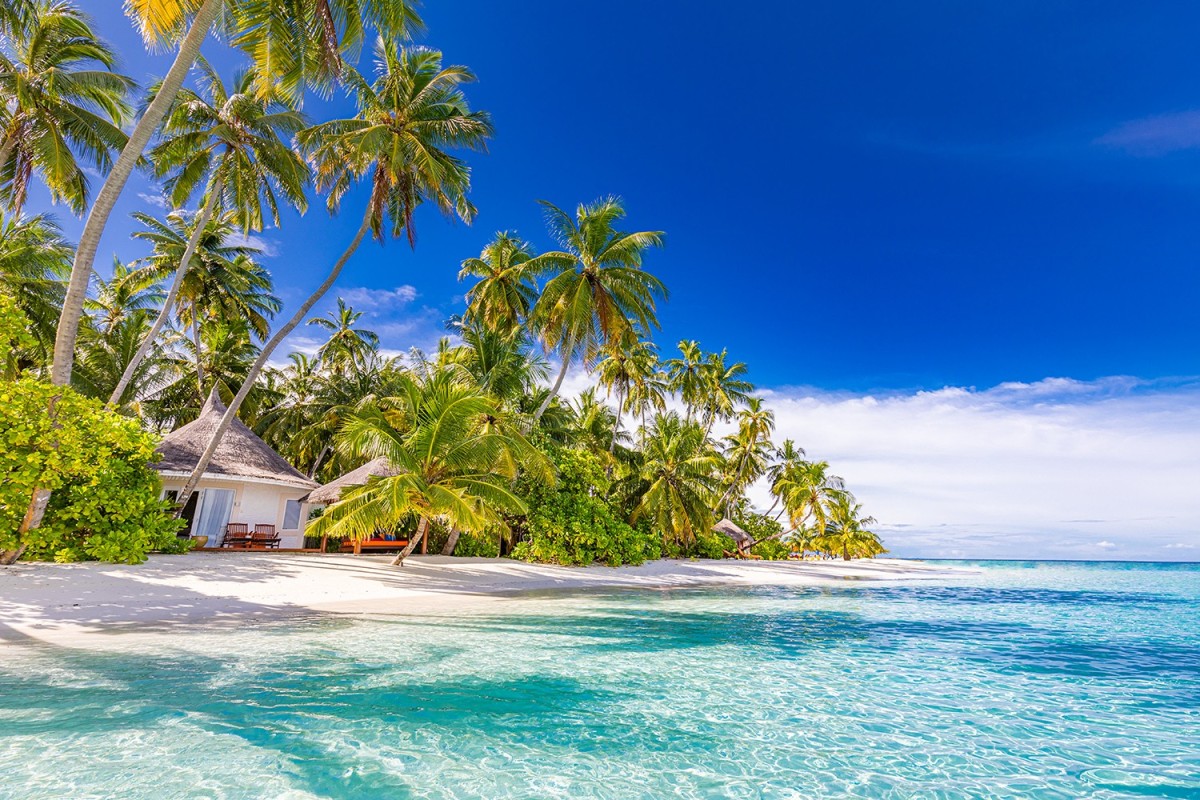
<point>739,536</point>
<point>332,491</point>
<point>241,453</point>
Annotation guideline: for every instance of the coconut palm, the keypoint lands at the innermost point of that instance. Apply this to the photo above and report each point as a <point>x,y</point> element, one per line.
<point>499,362</point>
<point>788,458</point>
<point>63,101</point>
<point>724,389</point>
<point>347,345</point>
<point>226,283</point>
<point>455,463</point>
<point>595,426</point>
<point>678,471</point>
<point>747,451</point>
<point>686,375</point>
<point>34,258</point>
<point>807,491</point>
<point>505,292</point>
<point>292,44</point>
<point>600,293</point>
<point>233,144</point>
<point>846,533</point>
<point>623,368</point>
<point>408,120</point>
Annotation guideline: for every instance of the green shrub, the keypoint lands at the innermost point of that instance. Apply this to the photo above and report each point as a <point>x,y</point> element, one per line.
<point>573,522</point>
<point>105,497</point>
<point>478,545</point>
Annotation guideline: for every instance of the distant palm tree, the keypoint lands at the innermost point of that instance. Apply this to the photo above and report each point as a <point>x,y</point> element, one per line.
<point>408,119</point>
<point>595,425</point>
<point>747,451</point>
<point>61,98</point>
<point>233,144</point>
<point>600,293</point>
<point>505,293</point>
<point>687,376</point>
<point>807,492</point>
<point>34,258</point>
<point>678,470</point>
<point>724,389</point>
<point>846,534</point>
<point>347,345</point>
<point>788,459</point>
<point>225,283</point>
<point>455,462</point>
<point>625,367</point>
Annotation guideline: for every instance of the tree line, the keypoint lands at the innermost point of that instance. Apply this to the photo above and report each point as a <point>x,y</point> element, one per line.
<point>486,453</point>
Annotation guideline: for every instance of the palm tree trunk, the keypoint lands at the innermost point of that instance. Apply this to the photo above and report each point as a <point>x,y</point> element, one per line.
<point>251,377</point>
<point>845,552</point>
<point>206,214</point>
<point>199,356</point>
<point>612,445</point>
<point>6,148</point>
<point>562,373</point>
<point>452,542</point>
<point>418,537</point>
<point>312,473</point>
<point>114,184</point>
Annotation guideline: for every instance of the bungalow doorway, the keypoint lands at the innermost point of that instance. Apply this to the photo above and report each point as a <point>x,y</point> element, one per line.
<point>213,510</point>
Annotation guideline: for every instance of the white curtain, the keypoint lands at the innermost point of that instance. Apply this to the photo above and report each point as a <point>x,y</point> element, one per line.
<point>215,508</point>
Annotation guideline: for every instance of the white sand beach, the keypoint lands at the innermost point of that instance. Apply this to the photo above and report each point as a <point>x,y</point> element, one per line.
<point>66,602</point>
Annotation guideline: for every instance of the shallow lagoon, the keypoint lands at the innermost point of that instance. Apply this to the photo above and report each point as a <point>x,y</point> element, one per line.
<point>1032,680</point>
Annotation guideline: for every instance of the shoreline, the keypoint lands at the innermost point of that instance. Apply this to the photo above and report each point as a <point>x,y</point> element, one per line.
<point>73,604</point>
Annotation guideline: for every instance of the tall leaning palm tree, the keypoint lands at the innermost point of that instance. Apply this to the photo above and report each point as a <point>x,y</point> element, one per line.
<point>235,144</point>
<point>599,292</point>
<point>408,120</point>
<point>291,45</point>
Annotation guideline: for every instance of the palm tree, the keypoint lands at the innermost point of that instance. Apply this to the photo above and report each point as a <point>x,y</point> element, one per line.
<point>505,293</point>
<point>455,462</point>
<point>787,461</point>
<point>748,450</point>
<point>624,367</point>
<point>347,345</point>
<point>291,45</point>
<point>595,426</point>
<point>61,98</point>
<point>600,292</point>
<point>686,375</point>
<point>407,120</point>
<point>499,362</point>
<point>678,470</point>
<point>724,389</point>
<point>227,282</point>
<point>233,143</point>
<point>846,533</point>
<point>807,492</point>
<point>34,257</point>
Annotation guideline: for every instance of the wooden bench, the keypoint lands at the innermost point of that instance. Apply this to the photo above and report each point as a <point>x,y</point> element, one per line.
<point>358,545</point>
<point>237,534</point>
<point>264,536</point>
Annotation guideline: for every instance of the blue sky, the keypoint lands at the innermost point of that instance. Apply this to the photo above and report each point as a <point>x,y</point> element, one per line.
<point>868,200</point>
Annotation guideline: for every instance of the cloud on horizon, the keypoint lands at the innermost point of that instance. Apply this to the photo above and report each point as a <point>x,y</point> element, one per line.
<point>1058,468</point>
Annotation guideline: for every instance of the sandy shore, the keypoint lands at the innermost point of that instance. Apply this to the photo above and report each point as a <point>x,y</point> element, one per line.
<point>64,602</point>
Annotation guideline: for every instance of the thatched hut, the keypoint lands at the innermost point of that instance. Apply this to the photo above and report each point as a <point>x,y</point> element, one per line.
<point>742,541</point>
<point>332,491</point>
<point>245,482</point>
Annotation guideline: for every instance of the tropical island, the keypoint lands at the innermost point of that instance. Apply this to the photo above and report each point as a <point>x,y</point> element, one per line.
<point>471,450</point>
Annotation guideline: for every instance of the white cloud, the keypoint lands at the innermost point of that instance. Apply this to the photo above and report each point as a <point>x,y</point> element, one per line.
<point>1179,546</point>
<point>1156,135</point>
<point>156,200</point>
<point>378,300</point>
<point>267,248</point>
<point>1019,470</point>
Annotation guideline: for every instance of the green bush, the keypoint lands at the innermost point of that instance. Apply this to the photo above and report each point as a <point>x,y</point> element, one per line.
<point>573,522</point>
<point>478,545</point>
<point>105,497</point>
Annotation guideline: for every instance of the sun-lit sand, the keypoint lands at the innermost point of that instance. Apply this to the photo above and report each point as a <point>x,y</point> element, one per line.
<point>67,602</point>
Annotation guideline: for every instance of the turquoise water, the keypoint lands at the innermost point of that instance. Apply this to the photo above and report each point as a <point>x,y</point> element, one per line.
<point>1027,680</point>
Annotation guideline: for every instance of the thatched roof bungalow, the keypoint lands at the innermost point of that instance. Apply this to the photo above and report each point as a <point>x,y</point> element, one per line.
<point>245,482</point>
<point>332,491</point>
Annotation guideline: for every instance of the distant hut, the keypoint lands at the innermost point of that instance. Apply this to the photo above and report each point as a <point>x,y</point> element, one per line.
<point>742,541</point>
<point>246,481</point>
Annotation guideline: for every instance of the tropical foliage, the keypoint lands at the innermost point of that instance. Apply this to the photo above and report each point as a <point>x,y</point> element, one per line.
<point>487,453</point>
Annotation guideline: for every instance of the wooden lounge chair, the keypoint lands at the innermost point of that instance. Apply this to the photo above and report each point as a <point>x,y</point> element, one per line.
<point>356,546</point>
<point>237,534</point>
<point>264,536</point>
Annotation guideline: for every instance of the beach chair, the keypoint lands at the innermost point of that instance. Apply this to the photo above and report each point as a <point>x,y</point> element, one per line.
<point>237,534</point>
<point>264,536</point>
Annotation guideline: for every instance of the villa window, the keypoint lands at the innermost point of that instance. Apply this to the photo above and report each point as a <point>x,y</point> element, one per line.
<point>291,515</point>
